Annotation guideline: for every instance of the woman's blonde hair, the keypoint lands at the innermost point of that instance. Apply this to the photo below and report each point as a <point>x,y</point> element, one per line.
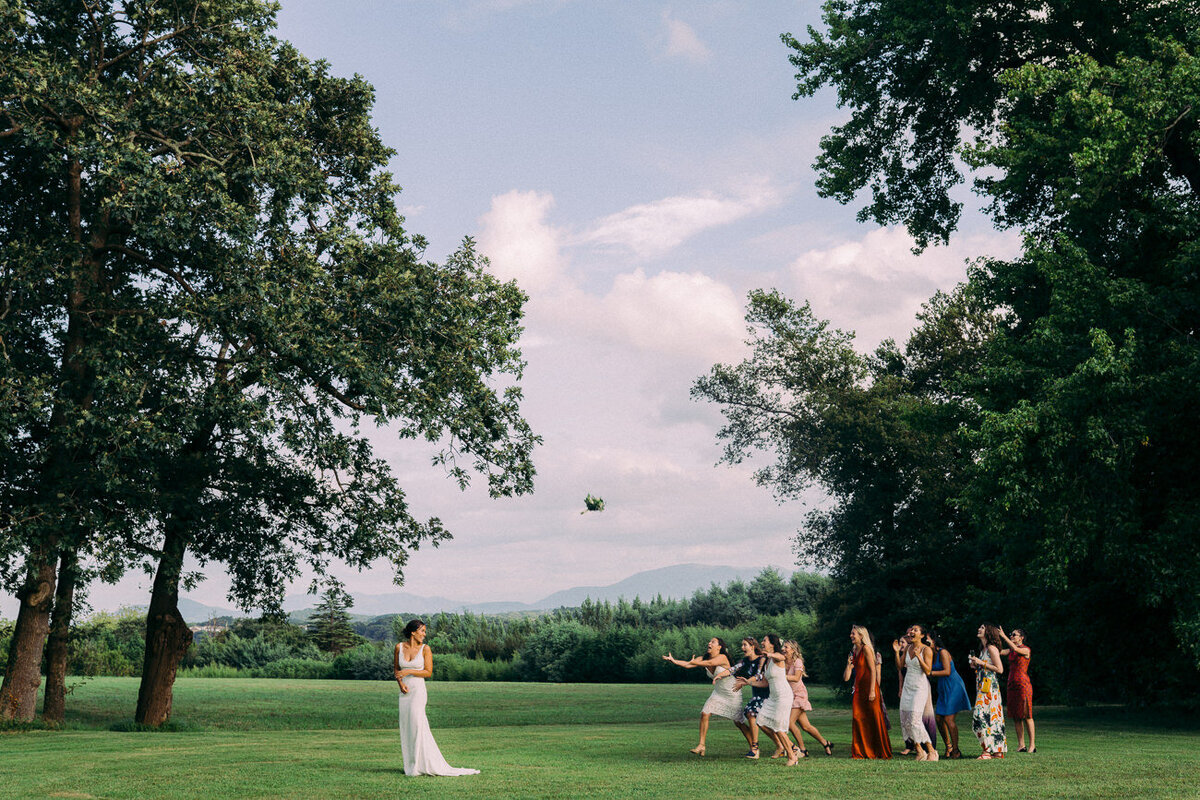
<point>797,656</point>
<point>864,634</point>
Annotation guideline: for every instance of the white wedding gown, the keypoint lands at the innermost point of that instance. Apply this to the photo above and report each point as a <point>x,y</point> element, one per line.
<point>420,751</point>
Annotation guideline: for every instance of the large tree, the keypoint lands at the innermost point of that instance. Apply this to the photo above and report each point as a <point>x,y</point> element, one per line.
<point>241,297</point>
<point>1081,118</point>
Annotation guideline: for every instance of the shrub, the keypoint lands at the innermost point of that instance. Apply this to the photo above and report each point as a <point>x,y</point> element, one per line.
<point>214,671</point>
<point>451,667</point>
<point>309,668</point>
<point>367,662</point>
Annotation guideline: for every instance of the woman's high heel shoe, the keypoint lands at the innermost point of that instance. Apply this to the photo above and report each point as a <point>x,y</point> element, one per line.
<point>698,750</point>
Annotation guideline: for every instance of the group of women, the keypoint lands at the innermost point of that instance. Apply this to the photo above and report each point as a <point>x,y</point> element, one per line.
<point>779,700</point>
<point>778,706</point>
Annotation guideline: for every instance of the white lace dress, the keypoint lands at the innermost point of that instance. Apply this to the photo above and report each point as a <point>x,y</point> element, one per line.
<point>913,700</point>
<point>776,712</point>
<point>724,701</point>
<point>420,751</point>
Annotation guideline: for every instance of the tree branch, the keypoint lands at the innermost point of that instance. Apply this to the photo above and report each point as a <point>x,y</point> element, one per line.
<point>148,261</point>
<point>142,47</point>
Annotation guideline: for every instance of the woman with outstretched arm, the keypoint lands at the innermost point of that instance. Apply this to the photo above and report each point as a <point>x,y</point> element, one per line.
<point>724,701</point>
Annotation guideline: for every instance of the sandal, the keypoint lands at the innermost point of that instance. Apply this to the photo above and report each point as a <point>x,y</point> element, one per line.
<point>752,753</point>
<point>698,750</point>
<point>1022,750</point>
<point>803,753</point>
<point>828,748</point>
<point>955,753</point>
<point>985,757</point>
<point>1032,751</point>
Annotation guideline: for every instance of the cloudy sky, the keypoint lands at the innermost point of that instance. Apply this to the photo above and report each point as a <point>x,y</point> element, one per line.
<point>637,168</point>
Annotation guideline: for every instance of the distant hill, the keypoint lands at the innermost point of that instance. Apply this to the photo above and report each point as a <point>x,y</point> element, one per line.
<point>677,582</point>
<point>198,613</point>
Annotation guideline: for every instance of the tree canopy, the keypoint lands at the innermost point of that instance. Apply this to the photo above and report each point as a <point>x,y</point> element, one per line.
<point>208,291</point>
<point>1073,412</point>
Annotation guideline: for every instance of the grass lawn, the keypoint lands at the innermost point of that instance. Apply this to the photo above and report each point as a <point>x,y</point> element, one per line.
<point>333,739</point>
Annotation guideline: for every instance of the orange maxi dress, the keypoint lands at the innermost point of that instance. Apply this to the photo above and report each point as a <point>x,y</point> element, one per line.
<point>869,732</point>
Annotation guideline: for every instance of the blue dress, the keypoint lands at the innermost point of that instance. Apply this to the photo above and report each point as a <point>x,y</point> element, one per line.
<point>951,692</point>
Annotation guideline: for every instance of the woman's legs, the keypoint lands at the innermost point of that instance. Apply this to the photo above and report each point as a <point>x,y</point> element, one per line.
<point>944,730</point>
<point>810,728</point>
<point>781,740</point>
<point>952,724</point>
<point>745,729</point>
<point>794,728</point>
<point>699,749</point>
<point>1029,722</point>
<point>752,724</point>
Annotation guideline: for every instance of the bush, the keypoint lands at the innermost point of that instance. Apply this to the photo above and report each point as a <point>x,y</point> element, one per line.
<point>451,667</point>
<point>214,671</point>
<point>308,668</point>
<point>367,662</point>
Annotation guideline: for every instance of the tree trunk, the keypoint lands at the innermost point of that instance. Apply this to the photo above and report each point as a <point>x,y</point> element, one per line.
<point>18,694</point>
<point>167,634</point>
<point>23,675</point>
<point>54,704</point>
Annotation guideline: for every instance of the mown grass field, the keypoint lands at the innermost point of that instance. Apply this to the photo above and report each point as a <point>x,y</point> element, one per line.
<point>243,738</point>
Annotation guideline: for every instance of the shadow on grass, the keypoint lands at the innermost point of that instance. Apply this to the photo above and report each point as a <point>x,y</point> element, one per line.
<point>171,726</point>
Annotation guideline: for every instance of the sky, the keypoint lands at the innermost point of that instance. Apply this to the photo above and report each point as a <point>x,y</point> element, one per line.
<point>637,168</point>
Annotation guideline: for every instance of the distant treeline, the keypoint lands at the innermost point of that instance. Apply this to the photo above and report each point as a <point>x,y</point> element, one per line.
<point>595,642</point>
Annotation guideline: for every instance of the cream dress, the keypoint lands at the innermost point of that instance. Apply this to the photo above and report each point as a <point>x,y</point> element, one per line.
<point>419,750</point>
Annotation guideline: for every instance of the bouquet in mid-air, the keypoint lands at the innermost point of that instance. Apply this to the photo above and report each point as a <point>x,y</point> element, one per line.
<point>592,503</point>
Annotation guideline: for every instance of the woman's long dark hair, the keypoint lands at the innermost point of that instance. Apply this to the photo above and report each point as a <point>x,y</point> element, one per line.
<point>723,650</point>
<point>776,645</point>
<point>991,634</point>
<point>411,628</point>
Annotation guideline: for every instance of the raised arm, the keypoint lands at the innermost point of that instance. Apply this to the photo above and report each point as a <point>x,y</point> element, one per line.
<point>925,659</point>
<point>716,662</point>
<point>678,663</point>
<point>849,670</point>
<point>1021,651</point>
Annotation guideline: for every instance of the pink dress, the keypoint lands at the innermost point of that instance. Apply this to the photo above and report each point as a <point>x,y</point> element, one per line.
<point>799,690</point>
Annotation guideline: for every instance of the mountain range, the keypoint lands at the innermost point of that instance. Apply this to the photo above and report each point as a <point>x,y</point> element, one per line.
<point>677,582</point>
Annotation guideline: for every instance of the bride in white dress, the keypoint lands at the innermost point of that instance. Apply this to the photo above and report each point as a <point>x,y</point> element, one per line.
<point>413,664</point>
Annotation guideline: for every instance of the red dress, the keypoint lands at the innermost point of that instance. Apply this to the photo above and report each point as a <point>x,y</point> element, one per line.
<point>1020,690</point>
<point>869,731</point>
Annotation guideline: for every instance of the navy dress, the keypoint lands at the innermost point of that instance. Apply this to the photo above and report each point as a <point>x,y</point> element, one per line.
<point>752,669</point>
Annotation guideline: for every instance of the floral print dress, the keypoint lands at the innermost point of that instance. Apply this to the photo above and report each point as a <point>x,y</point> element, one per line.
<point>987,718</point>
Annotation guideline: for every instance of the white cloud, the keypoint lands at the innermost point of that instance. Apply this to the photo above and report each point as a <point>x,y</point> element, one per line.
<point>519,242</point>
<point>652,229</point>
<point>682,314</point>
<point>875,285</point>
<point>679,40</point>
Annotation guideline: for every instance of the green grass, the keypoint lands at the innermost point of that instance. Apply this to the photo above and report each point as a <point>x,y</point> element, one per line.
<point>320,739</point>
